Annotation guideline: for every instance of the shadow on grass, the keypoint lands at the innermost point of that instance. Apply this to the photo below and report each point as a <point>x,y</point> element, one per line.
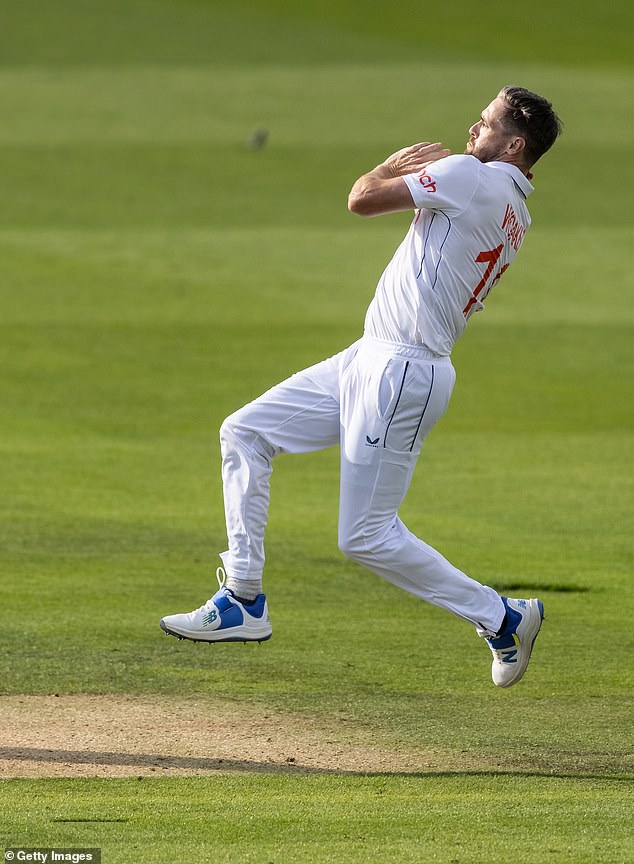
<point>530,589</point>
<point>19,755</point>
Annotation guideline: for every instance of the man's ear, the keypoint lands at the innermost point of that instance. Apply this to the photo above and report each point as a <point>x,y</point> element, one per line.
<point>516,146</point>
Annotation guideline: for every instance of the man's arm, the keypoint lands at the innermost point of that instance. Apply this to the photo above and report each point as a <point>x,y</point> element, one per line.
<point>382,190</point>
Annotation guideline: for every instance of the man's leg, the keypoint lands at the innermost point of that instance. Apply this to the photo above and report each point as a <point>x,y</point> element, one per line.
<point>297,416</point>
<point>388,406</point>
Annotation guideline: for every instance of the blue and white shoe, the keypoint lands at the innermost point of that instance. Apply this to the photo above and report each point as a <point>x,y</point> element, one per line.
<point>512,647</point>
<point>223,618</point>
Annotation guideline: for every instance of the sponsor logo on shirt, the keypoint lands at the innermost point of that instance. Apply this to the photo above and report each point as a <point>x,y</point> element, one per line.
<point>427,182</point>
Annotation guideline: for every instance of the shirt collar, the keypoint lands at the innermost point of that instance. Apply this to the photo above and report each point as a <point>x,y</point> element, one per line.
<point>520,180</point>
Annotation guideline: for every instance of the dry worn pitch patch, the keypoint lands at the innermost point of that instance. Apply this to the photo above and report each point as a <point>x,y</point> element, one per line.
<point>124,736</point>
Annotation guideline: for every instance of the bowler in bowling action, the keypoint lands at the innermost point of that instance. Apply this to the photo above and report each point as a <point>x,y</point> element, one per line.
<point>379,398</point>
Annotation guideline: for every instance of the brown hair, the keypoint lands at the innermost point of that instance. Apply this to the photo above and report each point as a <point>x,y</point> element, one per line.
<point>532,117</point>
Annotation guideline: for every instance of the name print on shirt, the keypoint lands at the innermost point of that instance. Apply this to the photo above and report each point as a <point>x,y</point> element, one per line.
<point>512,227</point>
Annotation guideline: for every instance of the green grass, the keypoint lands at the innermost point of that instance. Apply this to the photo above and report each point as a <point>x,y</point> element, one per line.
<point>155,274</point>
<point>255,818</point>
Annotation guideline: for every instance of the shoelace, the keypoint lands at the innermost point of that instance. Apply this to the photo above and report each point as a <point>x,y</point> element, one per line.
<point>498,653</point>
<point>221,576</point>
<point>502,652</point>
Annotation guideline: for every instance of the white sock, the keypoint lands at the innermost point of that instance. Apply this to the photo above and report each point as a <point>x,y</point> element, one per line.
<point>245,589</point>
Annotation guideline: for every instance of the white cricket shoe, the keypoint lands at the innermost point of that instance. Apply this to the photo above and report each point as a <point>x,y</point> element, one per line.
<point>512,647</point>
<point>223,618</point>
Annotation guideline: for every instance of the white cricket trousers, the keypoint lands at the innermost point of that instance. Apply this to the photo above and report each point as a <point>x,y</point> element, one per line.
<point>378,401</point>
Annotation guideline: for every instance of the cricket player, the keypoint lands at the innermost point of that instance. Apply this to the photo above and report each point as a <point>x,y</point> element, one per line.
<point>379,398</point>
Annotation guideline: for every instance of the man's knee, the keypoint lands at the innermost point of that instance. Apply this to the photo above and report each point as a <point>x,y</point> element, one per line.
<point>228,429</point>
<point>367,543</point>
<point>356,546</point>
<point>348,546</point>
<point>229,436</point>
<point>235,436</point>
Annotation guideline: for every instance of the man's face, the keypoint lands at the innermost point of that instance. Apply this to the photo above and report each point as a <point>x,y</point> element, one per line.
<point>488,137</point>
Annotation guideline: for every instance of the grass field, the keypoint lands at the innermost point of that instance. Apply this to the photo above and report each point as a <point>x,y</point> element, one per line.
<point>156,273</point>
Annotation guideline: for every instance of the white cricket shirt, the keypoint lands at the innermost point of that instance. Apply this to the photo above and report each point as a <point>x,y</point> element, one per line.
<point>470,223</point>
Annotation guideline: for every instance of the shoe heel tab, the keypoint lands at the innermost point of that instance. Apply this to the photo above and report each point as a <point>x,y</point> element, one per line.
<point>256,608</point>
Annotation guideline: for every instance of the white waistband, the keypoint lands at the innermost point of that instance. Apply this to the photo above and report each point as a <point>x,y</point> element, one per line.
<point>402,349</point>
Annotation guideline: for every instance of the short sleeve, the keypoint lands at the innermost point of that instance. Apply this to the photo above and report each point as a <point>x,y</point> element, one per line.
<point>448,184</point>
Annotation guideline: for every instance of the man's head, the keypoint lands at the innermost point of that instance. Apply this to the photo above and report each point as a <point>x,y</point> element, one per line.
<point>517,127</point>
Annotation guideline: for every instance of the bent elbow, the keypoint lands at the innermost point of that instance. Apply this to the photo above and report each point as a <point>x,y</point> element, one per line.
<point>359,205</point>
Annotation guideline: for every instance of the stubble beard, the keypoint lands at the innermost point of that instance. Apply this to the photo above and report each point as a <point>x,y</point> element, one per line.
<point>483,153</point>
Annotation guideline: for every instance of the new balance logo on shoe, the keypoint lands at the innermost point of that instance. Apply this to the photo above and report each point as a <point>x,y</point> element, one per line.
<point>209,618</point>
<point>371,443</point>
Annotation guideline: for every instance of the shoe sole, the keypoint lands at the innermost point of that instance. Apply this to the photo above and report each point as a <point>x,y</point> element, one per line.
<point>214,636</point>
<point>528,632</point>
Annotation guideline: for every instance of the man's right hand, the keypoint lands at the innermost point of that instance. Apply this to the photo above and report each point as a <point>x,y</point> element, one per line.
<point>382,190</point>
<point>411,159</point>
